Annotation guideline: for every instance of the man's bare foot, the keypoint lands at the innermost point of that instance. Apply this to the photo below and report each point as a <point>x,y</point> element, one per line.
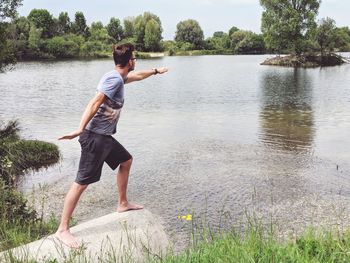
<point>67,238</point>
<point>126,207</point>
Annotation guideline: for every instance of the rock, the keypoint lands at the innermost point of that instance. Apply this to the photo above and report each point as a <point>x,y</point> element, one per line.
<point>131,236</point>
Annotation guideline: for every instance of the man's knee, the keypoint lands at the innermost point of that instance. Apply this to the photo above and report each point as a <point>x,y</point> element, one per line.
<point>127,163</point>
<point>80,187</point>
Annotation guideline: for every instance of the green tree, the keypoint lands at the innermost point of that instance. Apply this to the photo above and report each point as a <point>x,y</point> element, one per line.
<point>285,23</point>
<point>62,48</point>
<point>79,26</point>
<point>19,32</point>
<point>219,41</point>
<point>251,44</point>
<point>237,37</point>
<point>342,39</point>
<point>34,40</point>
<point>115,29</point>
<point>191,32</point>
<point>96,26</point>
<point>64,24</point>
<point>99,33</point>
<point>232,30</point>
<point>41,18</point>
<point>129,27</point>
<point>140,27</point>
<point>325,35</point>
<point>7,10</point>
<point>153,36</point>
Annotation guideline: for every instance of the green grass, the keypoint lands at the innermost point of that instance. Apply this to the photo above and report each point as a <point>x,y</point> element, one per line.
<point>257,245</point>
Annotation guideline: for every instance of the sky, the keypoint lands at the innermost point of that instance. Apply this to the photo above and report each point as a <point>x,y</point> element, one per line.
<point>218,15</point>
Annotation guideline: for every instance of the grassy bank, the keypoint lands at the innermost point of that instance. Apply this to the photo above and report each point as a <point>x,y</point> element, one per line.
<point>255,244</point>
<point>259,246</point>
<point>20,223</point>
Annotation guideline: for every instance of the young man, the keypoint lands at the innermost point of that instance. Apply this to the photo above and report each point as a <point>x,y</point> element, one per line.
<point>97,125</point>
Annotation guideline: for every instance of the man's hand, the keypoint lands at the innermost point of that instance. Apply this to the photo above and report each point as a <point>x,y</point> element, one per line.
<point>71,135</point>
<point>162,70</point>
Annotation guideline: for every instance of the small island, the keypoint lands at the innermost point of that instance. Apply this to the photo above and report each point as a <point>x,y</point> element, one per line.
<point>306,61</point>
<point>291,28</point>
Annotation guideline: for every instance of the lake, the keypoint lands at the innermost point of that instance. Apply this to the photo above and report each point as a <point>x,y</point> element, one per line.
<point>215,135</point>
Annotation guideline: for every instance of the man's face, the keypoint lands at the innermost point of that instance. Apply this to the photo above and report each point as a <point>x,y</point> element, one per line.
<point>132,62</point>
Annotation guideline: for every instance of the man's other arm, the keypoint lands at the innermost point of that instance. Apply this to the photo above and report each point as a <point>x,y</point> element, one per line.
<point>89,112</point>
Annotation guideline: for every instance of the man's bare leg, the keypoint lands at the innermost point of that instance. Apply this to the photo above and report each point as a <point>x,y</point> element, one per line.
<point>70,202</point>
<point>122,181</point>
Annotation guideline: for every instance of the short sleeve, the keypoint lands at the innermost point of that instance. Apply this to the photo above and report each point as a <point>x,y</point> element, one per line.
<point>109,86</point>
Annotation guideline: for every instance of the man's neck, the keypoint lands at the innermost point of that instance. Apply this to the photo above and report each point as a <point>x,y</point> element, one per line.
<point>122,71</point>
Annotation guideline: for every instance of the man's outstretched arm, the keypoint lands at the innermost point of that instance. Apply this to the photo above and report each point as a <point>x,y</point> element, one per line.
<point>89,112</point>
<point>143,74</point>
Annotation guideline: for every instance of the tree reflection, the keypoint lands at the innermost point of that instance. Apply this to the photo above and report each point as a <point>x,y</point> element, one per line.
<point>286,117</point>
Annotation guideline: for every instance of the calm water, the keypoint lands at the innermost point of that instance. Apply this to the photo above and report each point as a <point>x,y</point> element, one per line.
<point>215,133</point>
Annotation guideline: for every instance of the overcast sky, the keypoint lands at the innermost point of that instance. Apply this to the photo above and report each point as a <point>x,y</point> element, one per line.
<point>218,15</point>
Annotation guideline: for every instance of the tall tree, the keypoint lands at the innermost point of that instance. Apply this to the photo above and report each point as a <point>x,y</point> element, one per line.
<point>286,23</point>
<point>232,30</point>
<point>342,39</point>
<point>325,35</point>
<point>98,33</point>
<point>129,27</point>
<point>7,10</point>
<point>191,32</point>
<point>153,36</point>
<point>79,26</point>
<point>115,29</point>
<point>140,27</point>
<point>219,41</point>
<point>42,19</point>
<point>64,24</point>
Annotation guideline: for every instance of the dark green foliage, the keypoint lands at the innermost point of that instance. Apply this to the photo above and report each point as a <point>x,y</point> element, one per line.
<point>16,156</point>
<point>129,24</point>
<point>251,44</point>
<point>286,24</point>
<point>190,31</point>
<point>219,41</point>
<point>64,25</point>
<point>154,32</point>
<point>115,29</point>
<point>342,39</point>
<point>8,8</point>
<point>7,47</point>
<point>19,223</point>
<point>153,36</point>
<point>79,26</point>
<point>232,30</point>
<point>60,47</point>
<point>325,35</point>
<point>42,19</point>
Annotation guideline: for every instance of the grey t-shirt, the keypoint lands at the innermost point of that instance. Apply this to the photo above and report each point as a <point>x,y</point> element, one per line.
<point>106,118</point>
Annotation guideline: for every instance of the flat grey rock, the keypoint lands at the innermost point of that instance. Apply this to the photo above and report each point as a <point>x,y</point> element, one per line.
<point>132,236</point>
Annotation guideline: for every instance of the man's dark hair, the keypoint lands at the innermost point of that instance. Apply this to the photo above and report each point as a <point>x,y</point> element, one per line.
<point>123,53</point>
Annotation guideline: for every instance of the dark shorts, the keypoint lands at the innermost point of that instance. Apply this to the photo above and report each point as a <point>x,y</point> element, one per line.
<point>95,150</point>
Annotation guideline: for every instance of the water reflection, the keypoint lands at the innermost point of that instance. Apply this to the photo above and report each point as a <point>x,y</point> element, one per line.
<point>286,117</point>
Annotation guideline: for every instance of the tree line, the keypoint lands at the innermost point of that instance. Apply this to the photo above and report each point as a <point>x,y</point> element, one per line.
<point>287,27</point>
